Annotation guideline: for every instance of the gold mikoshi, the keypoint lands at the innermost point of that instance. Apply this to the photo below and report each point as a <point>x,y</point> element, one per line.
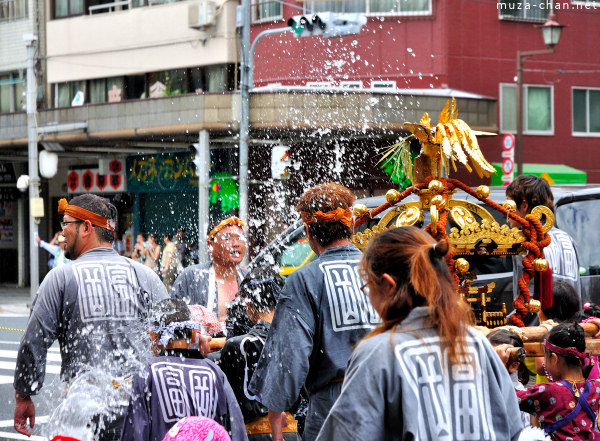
<point>509,204</point>
<point>392,196</point>
<point>360,210</point>
<point>461,266</point>
<point>534,305</point>
<point>540,264</point>
<point>483,191</point>
<point>435,186</point>
<point>438,201</point>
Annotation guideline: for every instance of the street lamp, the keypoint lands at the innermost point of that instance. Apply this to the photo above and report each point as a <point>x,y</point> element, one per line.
<point>551,31</point>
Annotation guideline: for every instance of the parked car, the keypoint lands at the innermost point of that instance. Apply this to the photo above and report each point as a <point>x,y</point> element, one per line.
<point>577,213</point>
<point>576,209</point>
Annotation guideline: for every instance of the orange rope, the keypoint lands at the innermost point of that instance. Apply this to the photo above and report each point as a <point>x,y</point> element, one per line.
<point>342,215</point>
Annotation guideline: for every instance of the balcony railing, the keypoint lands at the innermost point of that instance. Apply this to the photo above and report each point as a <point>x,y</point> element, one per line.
<point>109,7</point>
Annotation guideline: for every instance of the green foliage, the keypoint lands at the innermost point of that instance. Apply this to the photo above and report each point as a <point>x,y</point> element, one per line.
<point>398,161</point>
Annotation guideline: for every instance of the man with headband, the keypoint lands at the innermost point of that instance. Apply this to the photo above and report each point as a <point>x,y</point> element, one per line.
<point>96,306</point>
<point>216,283</point>
<point>320,316</point>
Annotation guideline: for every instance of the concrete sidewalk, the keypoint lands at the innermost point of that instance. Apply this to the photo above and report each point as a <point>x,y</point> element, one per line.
<point>14,300</point>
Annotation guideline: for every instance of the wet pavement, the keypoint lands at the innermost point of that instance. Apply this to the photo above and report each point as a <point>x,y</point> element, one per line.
<point>14,300</point>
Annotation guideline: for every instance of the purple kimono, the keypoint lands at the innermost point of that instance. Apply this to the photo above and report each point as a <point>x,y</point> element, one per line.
<point>173,387</point>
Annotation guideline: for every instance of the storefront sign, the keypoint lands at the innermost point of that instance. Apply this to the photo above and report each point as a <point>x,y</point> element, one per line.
<point>7,174</point>
<point>91,181</point>
<point>160,173</point>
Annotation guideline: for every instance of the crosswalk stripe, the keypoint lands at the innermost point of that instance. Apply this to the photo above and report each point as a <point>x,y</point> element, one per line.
<point>9,435</point>
<point>52,356</point>
<point>16,343</point>
<point>11,365</point>
<point>38,420</point>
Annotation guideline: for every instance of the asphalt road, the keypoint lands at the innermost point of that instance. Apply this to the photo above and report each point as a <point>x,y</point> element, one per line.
<point>11,331</point>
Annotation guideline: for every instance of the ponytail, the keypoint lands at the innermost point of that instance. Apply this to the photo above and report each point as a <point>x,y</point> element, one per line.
<point>417,264</point>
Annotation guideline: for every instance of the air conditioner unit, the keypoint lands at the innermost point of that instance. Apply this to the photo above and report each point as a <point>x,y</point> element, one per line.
<point>201,14</point>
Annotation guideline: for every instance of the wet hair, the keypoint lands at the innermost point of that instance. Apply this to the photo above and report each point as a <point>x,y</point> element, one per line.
<point>565,303</point>
<point>531,189</point>
<point>172,310</point>
<point>101,206</point>
<point>169,236</point>
<point>261,287</point>
<point>327,197</point>
<point>504,336</point>
<point>153,236</point>
<point>416,262</point>
<point>568,335</point>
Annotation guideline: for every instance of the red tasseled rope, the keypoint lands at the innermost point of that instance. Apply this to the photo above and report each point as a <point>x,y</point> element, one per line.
<point>530,226</point>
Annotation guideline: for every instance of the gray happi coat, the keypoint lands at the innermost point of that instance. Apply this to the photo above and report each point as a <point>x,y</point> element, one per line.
<point>401,386</point>
<point>96,310</point>
<point>192,285</point>
<point>321,314</point>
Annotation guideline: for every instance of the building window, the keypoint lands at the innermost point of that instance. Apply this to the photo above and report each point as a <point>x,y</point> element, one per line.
<point>67,8</point>
<point>11,93</point>
<point>371,7</point>
<point>263,10</point>
<point>65,93</point>
<point>538,113</point>
<point>383,84</point>
<point>13,9</point>
<point>106,90</point>
<point>351,84</point>
<point>586,111</point>
<point>524,10</point>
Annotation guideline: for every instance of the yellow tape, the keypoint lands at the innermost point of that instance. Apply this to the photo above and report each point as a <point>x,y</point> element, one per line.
<point>11,329</point>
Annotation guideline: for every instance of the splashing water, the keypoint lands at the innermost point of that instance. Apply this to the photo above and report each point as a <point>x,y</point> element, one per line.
<point>90,395</point>
<point>100,393</point>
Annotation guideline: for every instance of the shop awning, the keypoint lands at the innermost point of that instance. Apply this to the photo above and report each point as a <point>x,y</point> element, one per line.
<point>552,173</point>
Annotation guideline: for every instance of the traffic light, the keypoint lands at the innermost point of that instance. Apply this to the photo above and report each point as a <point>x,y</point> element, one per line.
<point>197,152</point>
<point>328,24</point>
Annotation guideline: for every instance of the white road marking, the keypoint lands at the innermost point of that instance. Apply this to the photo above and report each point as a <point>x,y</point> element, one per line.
<point>52,356</point>
<point>38,420</point>
<point>14,435</point>
<point>11,365</point>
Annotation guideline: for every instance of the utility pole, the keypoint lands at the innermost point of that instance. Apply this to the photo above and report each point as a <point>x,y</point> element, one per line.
<point>34,180</point>
<point>202,161</point>
<point>245,115</point>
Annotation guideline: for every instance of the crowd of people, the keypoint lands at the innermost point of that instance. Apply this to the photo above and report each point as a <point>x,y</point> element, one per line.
<point>375,345</point>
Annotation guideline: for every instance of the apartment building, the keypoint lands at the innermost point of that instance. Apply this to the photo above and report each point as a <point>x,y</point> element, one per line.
<point>128,85</point>
<point>467,45</point>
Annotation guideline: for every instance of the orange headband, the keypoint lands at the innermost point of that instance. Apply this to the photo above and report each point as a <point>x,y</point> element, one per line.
<point>227,222</point>
<point>83,214</point>
<point>343,215</point>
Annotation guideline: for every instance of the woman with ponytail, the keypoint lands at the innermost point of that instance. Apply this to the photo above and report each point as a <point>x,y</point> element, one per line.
<point>424,373</point>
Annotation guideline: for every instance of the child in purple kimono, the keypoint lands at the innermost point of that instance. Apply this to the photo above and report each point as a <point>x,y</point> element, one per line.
<point>179,381</point>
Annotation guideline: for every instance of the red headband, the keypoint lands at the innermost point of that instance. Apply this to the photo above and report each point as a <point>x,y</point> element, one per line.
<point>565,352</point>
<point>81,213</point>
<point>343,215</point>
